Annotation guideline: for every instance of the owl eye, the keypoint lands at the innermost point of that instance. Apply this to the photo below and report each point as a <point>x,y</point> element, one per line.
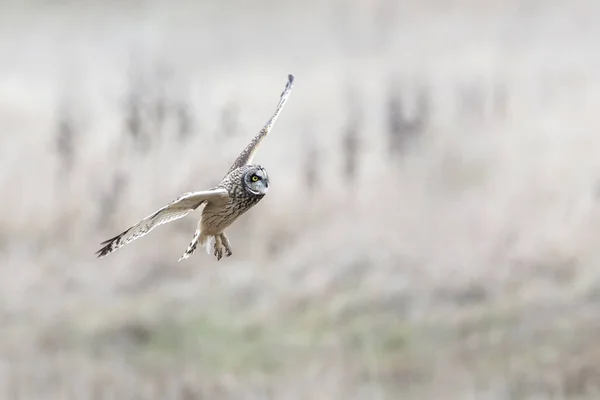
<point>254,178</point>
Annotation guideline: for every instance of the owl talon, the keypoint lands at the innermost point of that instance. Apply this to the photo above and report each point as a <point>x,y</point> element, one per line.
<point>218,247</point>
<point>226,244</point>
<point>218,252</point>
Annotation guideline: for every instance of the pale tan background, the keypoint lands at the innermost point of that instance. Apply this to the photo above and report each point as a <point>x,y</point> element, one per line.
<point>454,255</point>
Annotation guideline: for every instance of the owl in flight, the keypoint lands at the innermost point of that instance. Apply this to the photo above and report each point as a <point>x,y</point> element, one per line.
<point>244,185</point>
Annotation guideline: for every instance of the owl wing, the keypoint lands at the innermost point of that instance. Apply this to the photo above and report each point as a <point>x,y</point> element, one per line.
<point>174,210</point>
<point>247,154</point>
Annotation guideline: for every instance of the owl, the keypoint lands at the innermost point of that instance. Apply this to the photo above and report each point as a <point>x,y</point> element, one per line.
<point>244,185</point>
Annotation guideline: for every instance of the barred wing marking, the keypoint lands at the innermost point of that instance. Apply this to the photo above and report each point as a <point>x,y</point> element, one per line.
<point>247,154</point>
<point>174,210</point>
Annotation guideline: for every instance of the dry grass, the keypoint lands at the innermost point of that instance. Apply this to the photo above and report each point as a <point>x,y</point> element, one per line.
<point>430,233</point>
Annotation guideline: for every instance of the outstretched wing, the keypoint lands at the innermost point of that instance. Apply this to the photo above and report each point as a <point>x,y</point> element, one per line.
<point>174,210</point>
<point>248,153</point>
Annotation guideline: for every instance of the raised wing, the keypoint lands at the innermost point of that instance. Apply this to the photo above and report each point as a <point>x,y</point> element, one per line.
<point>247,154</point>
<point>174,210</point>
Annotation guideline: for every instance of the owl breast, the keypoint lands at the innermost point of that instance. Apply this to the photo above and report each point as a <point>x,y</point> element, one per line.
<point>216,218</point>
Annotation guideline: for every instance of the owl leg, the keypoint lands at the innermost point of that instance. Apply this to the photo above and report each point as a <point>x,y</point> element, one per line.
<point>218,247</point>
<point>198,237</point>
<point>227,245</point>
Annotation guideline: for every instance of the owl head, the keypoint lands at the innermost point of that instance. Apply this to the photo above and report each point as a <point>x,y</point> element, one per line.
<point>255,180</point>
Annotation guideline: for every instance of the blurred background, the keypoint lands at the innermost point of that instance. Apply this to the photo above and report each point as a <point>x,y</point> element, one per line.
<point>432,228</point>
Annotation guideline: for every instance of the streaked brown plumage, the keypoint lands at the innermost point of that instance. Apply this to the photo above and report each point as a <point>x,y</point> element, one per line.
<point>244,185</point>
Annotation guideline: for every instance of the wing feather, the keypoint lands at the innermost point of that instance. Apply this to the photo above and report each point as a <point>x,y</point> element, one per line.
<point>176,209</point>
<point>247,154</point>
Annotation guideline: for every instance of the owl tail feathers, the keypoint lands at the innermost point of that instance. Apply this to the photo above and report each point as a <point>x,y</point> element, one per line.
<point>198,238</point>
<point>209,243</point>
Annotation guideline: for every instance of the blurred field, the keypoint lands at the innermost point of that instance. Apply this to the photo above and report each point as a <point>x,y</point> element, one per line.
<point>431,230</point>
